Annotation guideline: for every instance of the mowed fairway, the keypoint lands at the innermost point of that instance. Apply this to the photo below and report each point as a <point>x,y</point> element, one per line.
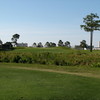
<point>23,84</point>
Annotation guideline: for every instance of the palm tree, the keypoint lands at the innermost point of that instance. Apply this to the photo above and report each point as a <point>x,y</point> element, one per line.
<point>91,25</point>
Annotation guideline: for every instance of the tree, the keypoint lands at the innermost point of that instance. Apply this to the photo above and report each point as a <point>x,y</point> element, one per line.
<point>91,25</point>
<point>60,43</point>
<point>1,42</point>
<point>83,44</point>
<point>47,44</point>
<point>67,44</point>
<point>7,46</point>
<point>34,44</point>
<point>14,38</point>
<point>52,44</point>
<point>39,44</point>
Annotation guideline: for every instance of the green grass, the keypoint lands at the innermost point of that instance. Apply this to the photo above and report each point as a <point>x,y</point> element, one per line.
<point>52,50</point>
<point>22,84</point>
<point>42,50</point>
<point>78,69</point>
<point>52,56</point>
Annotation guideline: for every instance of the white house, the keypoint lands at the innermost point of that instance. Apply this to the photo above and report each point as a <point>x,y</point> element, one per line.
<point>96,48</point>
<point>22,45</point>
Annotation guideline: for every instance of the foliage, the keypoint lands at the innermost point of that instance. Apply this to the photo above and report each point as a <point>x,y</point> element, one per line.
<point>1,42</point>
<point>47,44</point>
<point>91,25</point>
<point>50,44</point>
<point>67,44</point>
<point>14,38</point>
<point>60,43</point>
<point>66,58</point>
<point>96,64</point>
<point>34,45</point>
<point>39,44</point>
<point>83,44</point>
<point>6,46</point>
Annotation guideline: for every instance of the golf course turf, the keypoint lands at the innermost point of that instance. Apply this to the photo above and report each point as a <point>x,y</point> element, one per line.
<point>23,84</point>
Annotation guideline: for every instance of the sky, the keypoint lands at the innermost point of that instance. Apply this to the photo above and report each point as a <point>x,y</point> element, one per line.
<point>47,20</point>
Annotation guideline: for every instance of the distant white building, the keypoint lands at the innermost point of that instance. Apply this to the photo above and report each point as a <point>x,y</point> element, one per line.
<point>78,47</point>
<point>22,45</point>
<point>96,48</point>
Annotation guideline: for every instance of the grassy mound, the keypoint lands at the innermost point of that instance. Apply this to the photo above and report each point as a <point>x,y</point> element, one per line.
<point>52,56</point>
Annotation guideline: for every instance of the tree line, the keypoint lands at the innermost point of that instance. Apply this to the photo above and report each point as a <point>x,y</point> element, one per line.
<point>9,45</point>
<point>15,37</point>
<point>91,24</point>
<point>52,44</point>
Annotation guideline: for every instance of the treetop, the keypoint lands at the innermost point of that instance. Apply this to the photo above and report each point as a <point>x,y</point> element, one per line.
<point>91,22</point>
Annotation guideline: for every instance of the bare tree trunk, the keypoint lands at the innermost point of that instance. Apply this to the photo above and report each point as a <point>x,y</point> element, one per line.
<point>91,40</point>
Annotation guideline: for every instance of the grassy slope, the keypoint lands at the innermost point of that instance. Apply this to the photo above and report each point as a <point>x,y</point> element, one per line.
<point>37,85</point>
<point>52,56</point>
<point>21,84</point>
<point>94,71</point>
<point>52,49</point>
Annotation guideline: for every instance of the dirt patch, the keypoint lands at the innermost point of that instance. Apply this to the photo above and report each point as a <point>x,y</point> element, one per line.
<point>61,72</point>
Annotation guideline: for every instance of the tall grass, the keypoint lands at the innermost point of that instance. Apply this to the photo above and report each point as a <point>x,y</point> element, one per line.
<point>71,58</point>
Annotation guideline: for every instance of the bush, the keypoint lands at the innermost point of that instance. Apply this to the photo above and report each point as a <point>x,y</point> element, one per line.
<point>49,58</point>
<point>96,65</point>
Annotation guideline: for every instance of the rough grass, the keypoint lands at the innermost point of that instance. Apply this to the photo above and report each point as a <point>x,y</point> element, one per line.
<point>52,56</point>
<point>22,84</point>
<point>75,70</point>
<point>41,50</point>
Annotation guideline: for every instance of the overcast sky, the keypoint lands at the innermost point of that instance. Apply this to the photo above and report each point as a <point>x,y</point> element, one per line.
<point>46,20</point>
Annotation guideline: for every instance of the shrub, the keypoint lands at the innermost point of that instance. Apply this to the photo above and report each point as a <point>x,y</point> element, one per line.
<point>96,64</point>
<point>16,59</point>
<point>61,59</point>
